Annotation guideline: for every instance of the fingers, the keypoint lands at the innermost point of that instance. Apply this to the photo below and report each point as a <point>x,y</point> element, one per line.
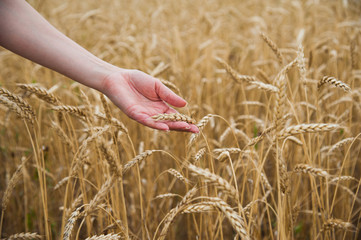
<point>168,95</point>
<point>183,127</point>
<point>168,125</point>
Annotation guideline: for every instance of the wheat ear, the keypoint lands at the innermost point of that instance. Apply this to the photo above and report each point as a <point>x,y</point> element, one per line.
<point>273,46</point>
<point>178,175</point>
<point>169,218</point>
<point>335,82</point>
<point>334,223</point>
<point>11,185</point>
<point>70,223</point>
<point>171,85</point>
<point>235,219</point>
<point>113,121</point>
<point>175,117</point>
<point>137,159</point>
<point>41,93</point>
<point>220,183</point>
<point>110,236</point>
<point>307,128</point>
<point>25,236</point>
<point>70,109</point>
<point>311,170</point>
<point>17,105</point>
<point>111,159</point>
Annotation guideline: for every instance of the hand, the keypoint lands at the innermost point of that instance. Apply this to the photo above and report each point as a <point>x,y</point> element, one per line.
<point>141,96</point>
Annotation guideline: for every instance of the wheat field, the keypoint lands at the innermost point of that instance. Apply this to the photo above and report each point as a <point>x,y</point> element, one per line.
<point>274,87</point>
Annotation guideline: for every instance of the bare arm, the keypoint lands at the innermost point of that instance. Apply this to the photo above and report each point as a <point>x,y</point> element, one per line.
<point>25,32</point>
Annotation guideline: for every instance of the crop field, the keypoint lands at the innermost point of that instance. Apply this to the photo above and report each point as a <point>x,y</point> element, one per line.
<point>274,87</point>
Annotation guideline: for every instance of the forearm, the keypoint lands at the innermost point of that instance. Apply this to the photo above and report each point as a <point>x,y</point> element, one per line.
<point>27,33</point>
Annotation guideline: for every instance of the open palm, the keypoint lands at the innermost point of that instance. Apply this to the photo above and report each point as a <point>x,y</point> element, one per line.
<point>141,96</point>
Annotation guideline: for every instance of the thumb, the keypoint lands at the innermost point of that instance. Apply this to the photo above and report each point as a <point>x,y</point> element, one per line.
<point>168,95</point>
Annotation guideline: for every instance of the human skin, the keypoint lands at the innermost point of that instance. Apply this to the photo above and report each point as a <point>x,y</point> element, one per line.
<point>25,32</point>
